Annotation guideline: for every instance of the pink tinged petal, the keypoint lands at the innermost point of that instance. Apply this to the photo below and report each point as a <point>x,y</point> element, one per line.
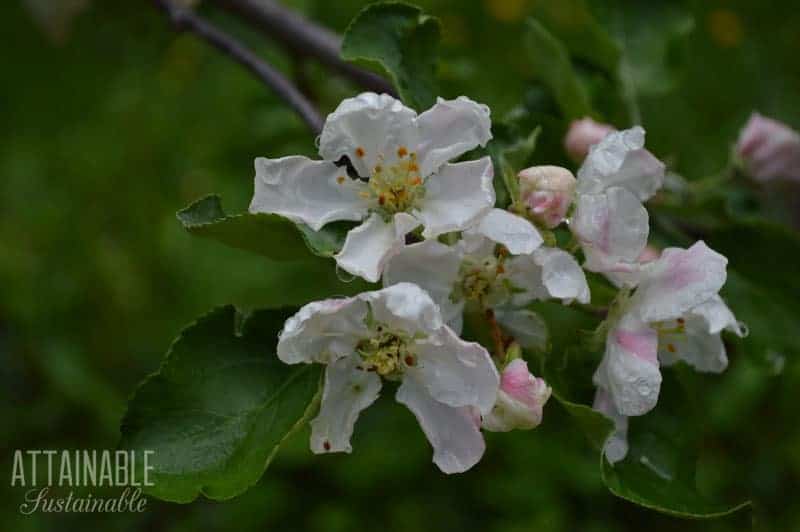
<point>520,401</point>
<point>613,228</point>
<point>526,327</point>
<point>582,135</point>
<point>306,191</point>
<point>454,432</point>
<point>455,372</point>
<point>620,160</point>
<point>404,307</point>
<point>548,273</point>
<point>348,390</point>
<point>615,447</point>
<point>517,234</point>
<point>369,246</point>
<point>546,192</point>
<point>323,331</point>
<point>456,197</point>
<point>629,369</point>
<point>368,129</point>
<point>432,266</point>
<point>449,129</point>
<point>678,281</point>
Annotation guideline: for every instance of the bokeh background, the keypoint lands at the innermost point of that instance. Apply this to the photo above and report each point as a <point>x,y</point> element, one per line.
<point>111,122</point>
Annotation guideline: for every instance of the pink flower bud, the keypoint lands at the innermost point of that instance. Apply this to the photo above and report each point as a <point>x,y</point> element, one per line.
<point>520,400</point>
<point>769,149</point>
<point>546,193</point>
<point>581,135</point>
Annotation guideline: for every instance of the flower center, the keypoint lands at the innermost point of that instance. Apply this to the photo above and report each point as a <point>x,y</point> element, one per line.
<point>396,187</point>
<point>387,353</point>
<point>670,330</point>
<point>482,281</point>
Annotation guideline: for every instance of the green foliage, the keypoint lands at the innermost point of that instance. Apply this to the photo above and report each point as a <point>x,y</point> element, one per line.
<point>509,157</point>
<point>403,41</point>
<point>552,66</point>
<point>269,235</point>
<point>219,408</point>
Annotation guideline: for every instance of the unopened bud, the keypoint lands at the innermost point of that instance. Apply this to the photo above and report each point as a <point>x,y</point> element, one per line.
<point>583,134</point>
<point>520,400</point>
<point>546,193</point>
<point>769,149</point>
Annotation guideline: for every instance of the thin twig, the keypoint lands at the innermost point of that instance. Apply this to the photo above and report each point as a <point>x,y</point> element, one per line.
<point>185,19</point>
<point>303,36</point>
<point>497,335</point>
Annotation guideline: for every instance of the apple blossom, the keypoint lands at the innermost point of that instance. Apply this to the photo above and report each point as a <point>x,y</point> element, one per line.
<point>520,400</point>
<point>674,314</point>
<point>404,178</point>
<point>398,334</point>
<point>498,264</point>
<point>610,221</point>
<point>769,149</point>
<point>546,193</point>
<point>582,135</point>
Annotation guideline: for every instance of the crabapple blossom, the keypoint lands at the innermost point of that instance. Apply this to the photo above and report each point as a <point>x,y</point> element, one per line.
<point>397,334</point>
<point>769,149</point>
<point>675,314</point>
<point>404,180</point>
<point>610,221</point>
<point>546,193</point>
<point>520,400</point>
<point>582,135</point>
<point>498,264</point>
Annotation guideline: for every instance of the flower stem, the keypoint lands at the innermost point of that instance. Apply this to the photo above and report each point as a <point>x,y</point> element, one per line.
<point>497,335</point>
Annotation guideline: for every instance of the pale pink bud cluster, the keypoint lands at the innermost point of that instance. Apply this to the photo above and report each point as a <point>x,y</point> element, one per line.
<point>581,135</point>
<point>546,193</point>
<point>520,400</point>
<point>769,149</point>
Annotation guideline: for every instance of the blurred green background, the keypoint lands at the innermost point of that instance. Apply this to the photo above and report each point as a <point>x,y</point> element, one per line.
<point>112,122</point>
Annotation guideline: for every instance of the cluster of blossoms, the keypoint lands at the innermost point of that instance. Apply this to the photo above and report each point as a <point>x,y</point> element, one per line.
<point>431,234</point>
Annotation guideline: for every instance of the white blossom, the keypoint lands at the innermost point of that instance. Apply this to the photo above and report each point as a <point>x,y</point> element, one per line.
<point>675,314</point>
<point>499,264</point>
<point>404,178</point>
<point>396,333</point>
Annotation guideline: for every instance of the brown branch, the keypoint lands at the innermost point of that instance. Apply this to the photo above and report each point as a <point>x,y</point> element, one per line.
<point>303,36</point>
<point>497,336</point>
<point>185,19</point>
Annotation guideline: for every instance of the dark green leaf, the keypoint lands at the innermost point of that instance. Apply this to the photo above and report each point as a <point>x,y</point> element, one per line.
<point>404,42</point>
<point>573,23</point>
<point>509,157</point>
<point>219,408</point>
<point>269,235</point>
<point>595,425</point>
<point>552,66</point>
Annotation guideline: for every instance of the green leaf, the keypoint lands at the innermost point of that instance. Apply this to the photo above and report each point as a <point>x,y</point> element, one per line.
<point>595,425</point>
<point>270,235</point>
<point>509,157</point>
<point>660,470</point>
<point>403,41</point>
<point>573,23</point>
<point>219,408</point>
<point>551,63</point>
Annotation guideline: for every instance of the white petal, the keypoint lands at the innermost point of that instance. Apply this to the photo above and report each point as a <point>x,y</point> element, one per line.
<point>718,316</point>
<point>323,331</point>
<point>615,447</point>
<point>514,232</point>
<point>454,432</point>
<point>455,372</point>
<point>456,197</point>
<point>547,273</point>
<point>449,129</point>
<point>678,281</point>
<point>306,191</point>
<point>369,246</point>
<point>629,370</point>
<point>404,307</point>
<point>621,160</point>
<point>347,392</point>
<point>525,326</point>
<point>612,228</point>
<point>432,266</point>
<point>368,129</point>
